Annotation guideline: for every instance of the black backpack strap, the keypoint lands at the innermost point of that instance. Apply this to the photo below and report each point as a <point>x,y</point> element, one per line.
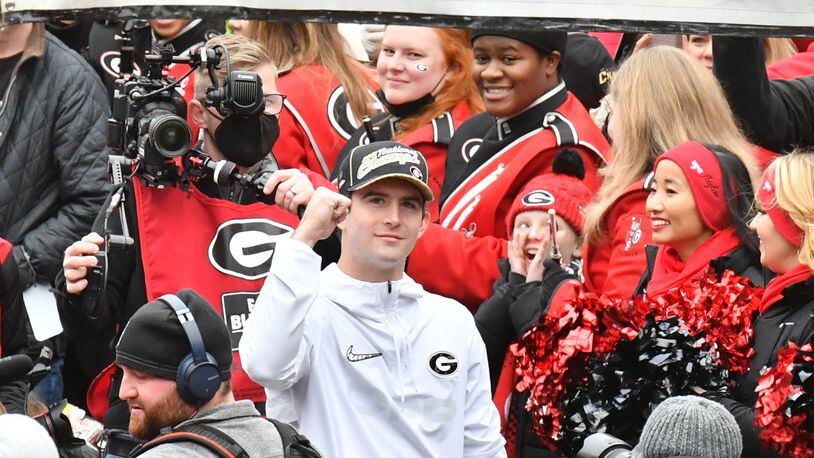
<point>650,252</point>
<point>294,444</point>
<point>218,442</point>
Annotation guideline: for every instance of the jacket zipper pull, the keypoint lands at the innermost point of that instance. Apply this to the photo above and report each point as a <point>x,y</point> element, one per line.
<point>389,287</point>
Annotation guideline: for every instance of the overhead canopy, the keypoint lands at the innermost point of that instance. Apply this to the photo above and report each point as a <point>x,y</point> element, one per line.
<point>748,17</point>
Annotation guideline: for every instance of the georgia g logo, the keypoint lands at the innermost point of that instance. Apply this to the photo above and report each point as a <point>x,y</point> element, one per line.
<point>443,364</point>
<point>341,115</point>
<point>538,198</point>
<point>470,148</point>
<point>244,248</point>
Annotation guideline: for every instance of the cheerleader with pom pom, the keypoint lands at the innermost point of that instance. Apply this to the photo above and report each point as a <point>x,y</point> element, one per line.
<point>785,227</point>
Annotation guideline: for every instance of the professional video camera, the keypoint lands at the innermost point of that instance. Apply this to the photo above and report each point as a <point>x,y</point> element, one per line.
<point>149,132</point>
<point>148,127</point>
<point>601,445</point>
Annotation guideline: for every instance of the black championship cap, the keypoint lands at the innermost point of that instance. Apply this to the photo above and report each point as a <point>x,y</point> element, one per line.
<point>367,164</point>
<point>154,342</point>
<point>545,41</point>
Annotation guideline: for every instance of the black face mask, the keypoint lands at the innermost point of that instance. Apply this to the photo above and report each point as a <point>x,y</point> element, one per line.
<point>408,109</point>
<point>247,140</point>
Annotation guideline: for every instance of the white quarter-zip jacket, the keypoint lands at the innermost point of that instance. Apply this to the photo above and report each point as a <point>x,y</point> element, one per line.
<point>369,369</point>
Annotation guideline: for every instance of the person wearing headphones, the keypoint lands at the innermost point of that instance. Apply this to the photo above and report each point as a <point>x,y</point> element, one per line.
<point>176,356</point>
<point>186,238</point>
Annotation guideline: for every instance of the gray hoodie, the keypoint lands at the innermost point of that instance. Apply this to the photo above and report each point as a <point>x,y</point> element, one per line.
<point>240,420</point>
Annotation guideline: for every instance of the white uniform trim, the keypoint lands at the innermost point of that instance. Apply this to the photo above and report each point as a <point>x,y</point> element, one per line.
<point>311,140</point>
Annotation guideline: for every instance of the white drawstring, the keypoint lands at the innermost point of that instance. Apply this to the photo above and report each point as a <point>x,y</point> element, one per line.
<point>396,345</point>
<point>409,353</point>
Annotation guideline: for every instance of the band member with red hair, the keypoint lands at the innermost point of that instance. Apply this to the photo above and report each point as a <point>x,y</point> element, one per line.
<point>426,83</point>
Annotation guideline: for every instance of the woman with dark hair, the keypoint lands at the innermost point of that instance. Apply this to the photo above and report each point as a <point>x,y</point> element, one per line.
<point>427,89</point>
<point>699,205</point>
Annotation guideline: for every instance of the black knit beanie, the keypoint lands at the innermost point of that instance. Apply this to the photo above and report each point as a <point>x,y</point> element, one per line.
<point>544,41</point>
<point>154,342</point>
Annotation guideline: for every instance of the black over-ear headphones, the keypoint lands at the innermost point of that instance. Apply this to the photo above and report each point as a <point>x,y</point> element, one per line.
<point>198,376</point>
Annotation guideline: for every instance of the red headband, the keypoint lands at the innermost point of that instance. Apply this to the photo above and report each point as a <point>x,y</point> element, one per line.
<point>703,172</point>
<point>781,219</point>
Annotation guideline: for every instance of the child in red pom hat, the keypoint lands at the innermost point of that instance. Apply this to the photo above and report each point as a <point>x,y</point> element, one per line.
<point>517,295</point>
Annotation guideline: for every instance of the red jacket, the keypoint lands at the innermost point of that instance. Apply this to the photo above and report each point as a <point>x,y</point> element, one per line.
<point>615,265</point>
<point>479,203</point>
<point>315,122</point>
<point>801,64</point>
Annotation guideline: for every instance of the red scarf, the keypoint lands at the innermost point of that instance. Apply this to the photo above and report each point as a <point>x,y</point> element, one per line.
<point>670,271</point>
<point>774,290</point>
<point>5,249</point>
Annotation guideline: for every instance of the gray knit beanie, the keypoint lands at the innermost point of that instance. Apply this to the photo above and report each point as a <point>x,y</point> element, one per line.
<point>690,426</point>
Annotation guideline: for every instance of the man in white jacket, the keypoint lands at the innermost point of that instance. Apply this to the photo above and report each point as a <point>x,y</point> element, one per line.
<point>366,361</point>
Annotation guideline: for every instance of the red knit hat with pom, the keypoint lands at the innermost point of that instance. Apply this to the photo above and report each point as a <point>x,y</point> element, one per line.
<point>562,189</point>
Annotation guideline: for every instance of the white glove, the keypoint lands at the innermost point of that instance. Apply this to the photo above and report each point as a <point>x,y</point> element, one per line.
<point>371,35</point>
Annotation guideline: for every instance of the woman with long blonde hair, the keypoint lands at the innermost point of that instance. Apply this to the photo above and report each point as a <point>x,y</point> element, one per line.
<point>659,98</point>
<point>785,227</point>
<point>427,90</point>
<point>327,91</point>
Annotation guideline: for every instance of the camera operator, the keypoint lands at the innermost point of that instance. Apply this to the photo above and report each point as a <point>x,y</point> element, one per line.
<point>212,238</point>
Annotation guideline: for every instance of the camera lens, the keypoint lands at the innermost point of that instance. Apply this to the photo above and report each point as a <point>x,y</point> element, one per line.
<point>170,135</point>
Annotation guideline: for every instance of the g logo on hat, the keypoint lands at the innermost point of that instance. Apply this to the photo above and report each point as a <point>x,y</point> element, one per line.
<point>538,198</point>
<point>443,364</point>
<point>416,172</point>
<point>244,248</point>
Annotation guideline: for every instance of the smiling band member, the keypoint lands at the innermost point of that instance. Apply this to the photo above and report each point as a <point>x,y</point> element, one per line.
<point>359,354</point>
<point>427,88</point>
<point>530,118</point>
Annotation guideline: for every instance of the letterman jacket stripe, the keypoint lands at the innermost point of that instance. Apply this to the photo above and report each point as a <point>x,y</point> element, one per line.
<point>477,188</point>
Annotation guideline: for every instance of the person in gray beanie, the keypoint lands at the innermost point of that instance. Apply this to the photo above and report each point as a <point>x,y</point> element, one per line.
<point>690,426</point>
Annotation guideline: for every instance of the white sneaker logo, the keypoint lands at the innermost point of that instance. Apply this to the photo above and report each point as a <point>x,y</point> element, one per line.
<point>356,357</point>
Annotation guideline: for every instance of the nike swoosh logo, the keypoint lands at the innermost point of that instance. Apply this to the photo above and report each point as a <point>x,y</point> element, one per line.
<point>356,357</point>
